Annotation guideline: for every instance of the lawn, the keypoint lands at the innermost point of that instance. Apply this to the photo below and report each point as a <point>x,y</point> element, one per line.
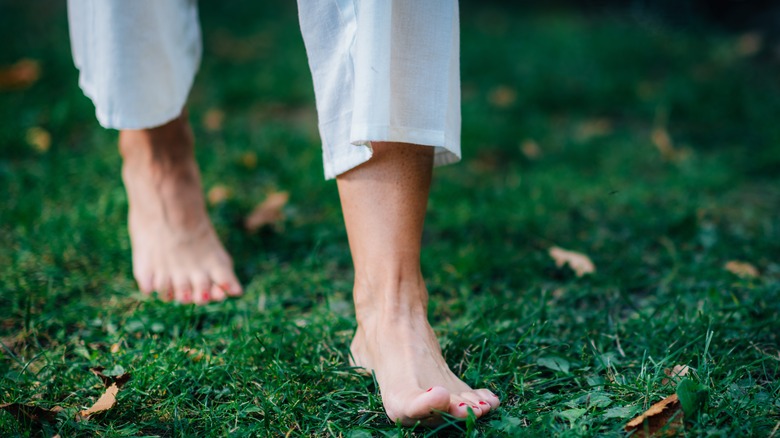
<point>654,149</point>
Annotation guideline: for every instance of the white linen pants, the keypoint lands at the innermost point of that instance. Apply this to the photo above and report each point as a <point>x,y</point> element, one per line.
<point>383,70</point>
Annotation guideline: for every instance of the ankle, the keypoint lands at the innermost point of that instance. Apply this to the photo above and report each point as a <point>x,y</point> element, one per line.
<point>390,297</point>
<point>168,144</point>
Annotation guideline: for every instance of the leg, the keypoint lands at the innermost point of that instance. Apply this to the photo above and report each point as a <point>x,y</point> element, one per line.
<point>384,202</point>
<point>175,248</point>
<point>137,61</point>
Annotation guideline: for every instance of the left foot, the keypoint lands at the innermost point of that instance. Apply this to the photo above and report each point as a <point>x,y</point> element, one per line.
<point>396,342</point>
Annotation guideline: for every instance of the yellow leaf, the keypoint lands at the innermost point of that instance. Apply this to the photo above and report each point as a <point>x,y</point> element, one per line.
<point>39,139</point>
<point>115,348</point>
<point>218,194</point>
<point>741,269</point>
<point>267,212</point>
<point>502,96</point>
<point>213,119</point>
<point>593,128</point>
<point>249,160</point>
<point>578,262</point>
<point>530,149</point>
<point>665,416</point>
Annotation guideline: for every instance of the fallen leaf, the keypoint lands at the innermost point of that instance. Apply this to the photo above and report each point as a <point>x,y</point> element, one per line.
<point>110,380</point>
<point>675,373</point>
<point>741,269</point>
<point>593,128</point>
<point>663,142</point>
<point>218,194</point>
<point>28,413</point>
<point>749,44</point>
<point>665,417</point>
<point>267,212</point>
<point>213,119</point>
<point>249,160</point>
<point>580,263</point>
<point>194,354</point>
<point>108,399</point>
<point>502,96</point>
<point>115,348</point>
<point>20,75</point>
<point>39,139</point>
<point>104,403</point>
<point>530,149</point>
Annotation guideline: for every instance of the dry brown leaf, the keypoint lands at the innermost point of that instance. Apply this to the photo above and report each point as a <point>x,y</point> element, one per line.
<point>108,399</point>
<point>742,269</point>
<point>213,119</point>
<point>530,149</point>
<point>749,44</point>
<point>502,96</point>
<point>218,194</point>
<point>20,75</point>
<point>578,262</point>
<point>666,414</point>
<point>115,348</point>
<point>267,212</point>
<point>104,403</point>
<point>39,139</point>
<point>663,142</point>
<point>110,380</point>
<point>194,354</point>
<point>675,373</point>
<point>593,128</point>
<point>28,413</point>
<point>249,160</point>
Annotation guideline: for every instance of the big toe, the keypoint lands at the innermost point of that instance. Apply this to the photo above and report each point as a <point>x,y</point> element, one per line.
<point>226,280</point>
<point>421,408</point>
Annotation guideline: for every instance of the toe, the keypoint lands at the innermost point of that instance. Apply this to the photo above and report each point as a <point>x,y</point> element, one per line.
<point>217,294</point>
<point>145,280</point>
<point>459,408</point>
<point>163,286</point>
<point>476,403</point>
<point>201,288</point>
<point>423,407</point>
<point>182,290</point>
<point>227,281</point>
<point>487,396</point>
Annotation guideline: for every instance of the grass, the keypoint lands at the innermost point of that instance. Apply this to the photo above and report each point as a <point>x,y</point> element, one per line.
<point>569,356</point>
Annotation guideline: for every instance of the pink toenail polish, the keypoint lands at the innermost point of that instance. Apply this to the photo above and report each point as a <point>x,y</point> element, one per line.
<point>429,389</point>
<point>461,405</point>
<point>482,403</point>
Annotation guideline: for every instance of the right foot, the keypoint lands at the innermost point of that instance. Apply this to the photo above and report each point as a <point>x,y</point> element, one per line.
<point>175,248</point>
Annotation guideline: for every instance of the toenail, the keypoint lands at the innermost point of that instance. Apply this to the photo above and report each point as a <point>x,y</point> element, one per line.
<point>205,296</point>
<point>461,405</point>
<point>482,403</point>
<point>475,406</point>
<point>429,389</point>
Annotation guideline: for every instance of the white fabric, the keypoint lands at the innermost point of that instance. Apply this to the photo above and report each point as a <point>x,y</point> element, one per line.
<point>383,70</point>
<point>136,58</point>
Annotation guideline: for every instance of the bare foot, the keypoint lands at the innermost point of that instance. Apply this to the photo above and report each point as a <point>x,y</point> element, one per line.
<point>175,248</point>
<point>395,340</point>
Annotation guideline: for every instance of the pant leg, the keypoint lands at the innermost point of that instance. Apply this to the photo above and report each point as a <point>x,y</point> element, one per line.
<point>383,70</point>
<point>136,58</point>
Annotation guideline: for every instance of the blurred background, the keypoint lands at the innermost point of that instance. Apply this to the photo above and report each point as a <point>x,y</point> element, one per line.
<point>644,134</point>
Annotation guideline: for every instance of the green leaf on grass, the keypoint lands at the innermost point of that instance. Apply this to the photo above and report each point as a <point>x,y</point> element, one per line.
<point>572,414</point>
<point>692,397</point>
<point>554,363</point>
